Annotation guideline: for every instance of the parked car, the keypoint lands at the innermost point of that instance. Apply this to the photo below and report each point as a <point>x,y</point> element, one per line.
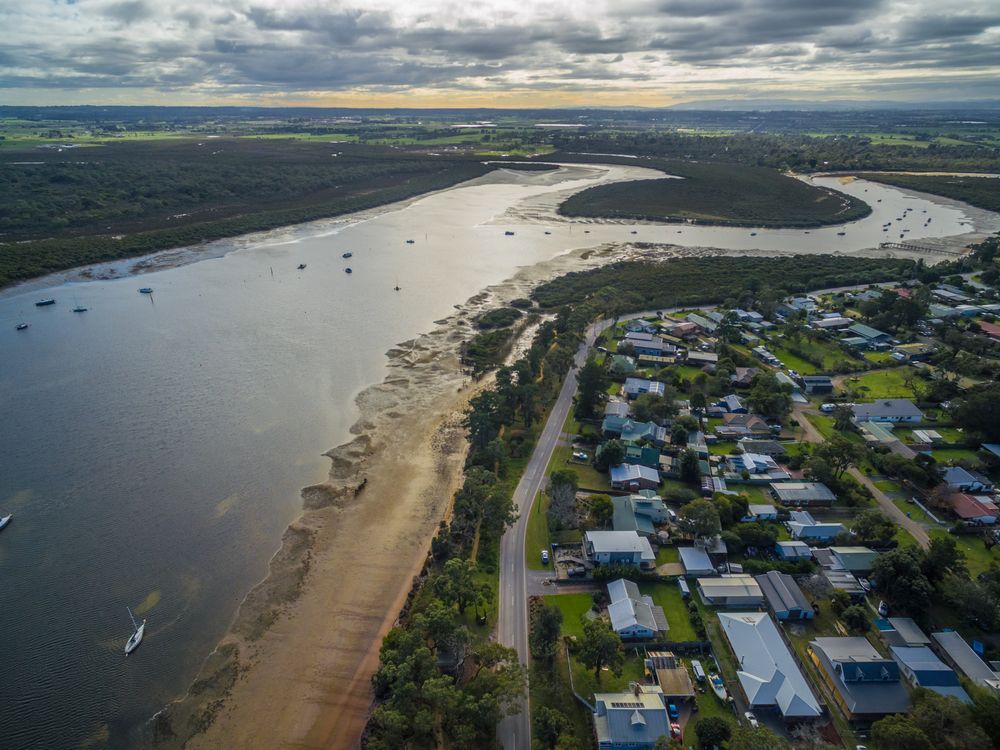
<point>675,730</point>
<point>545,557</point>
<point>577,572</point>
<point>580,456</point>
<point>883,609</point>
<point>672,711</point>
<point>751,719</point>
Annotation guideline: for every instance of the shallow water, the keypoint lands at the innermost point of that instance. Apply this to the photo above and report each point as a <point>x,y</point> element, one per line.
<point>153,448</point>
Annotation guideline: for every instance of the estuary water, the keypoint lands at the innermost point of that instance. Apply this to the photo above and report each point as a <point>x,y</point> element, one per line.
<point>152,449</point>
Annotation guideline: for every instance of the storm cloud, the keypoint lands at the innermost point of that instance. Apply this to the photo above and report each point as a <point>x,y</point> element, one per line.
<point>672,49</point>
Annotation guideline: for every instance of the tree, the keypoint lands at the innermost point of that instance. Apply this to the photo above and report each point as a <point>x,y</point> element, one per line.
<point>855,618</point>
<point>712,731</point>
<point>840,453</point>
<point>986,711</point>
<point>601,647</point>
<point>562,498</point>
<point>843,419</point>
<point>872,527</point>
<point>700,519</point>
<point>768,397</point>
<point>592,386</point>
<point>840,601</point>
<point>897,732</point>
<point>549,724</point>
<point>543,640</point>
<point>601,511</point>
<point>690,470</point>
<point>943,556</point>
<point>977,412</point>
<point>901,580</point>
<point>973,599</point>
<point>457,584</point>
<point>759,738</point>
<point>609,454</point>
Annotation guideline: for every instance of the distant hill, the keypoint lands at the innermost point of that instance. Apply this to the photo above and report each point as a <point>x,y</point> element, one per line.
<point>746,105</point>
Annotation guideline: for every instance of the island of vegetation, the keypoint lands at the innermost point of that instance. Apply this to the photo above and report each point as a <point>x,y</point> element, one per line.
<point>717,193</point>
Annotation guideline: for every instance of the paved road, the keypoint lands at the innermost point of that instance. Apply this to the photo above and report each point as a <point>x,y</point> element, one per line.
<point>812,435</point>
<point>512,624</point>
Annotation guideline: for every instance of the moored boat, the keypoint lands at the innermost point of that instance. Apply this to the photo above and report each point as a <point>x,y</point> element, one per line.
<point>21,326</point>
<point>718,687</point>
<point>348,270</point>
<point>45,302</point>
<point>301,266</point>
<point>146,290</point>
<point>136,638</point>
<point>347,255</point>
<point>4,520</point>
<point>79,309</point>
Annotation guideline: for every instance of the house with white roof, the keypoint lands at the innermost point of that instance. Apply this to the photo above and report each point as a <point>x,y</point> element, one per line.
<point>760,512</point>
<point>731,590</point>
<point>959,654</point>
<point>696,561</point>
<point>632,614</point>
<point>803,526</point>
<point>888,410</point>
<point>965,480</point>
<point>798,494</point>
<point>768,674</point>
<point>792,550</point>
<point>618,548</point>
<point>637,386</point>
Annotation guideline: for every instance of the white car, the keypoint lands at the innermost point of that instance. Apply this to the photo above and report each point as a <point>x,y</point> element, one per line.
<point>751,719</point>
<point>883,609</point>
<point>580,456</point>
<point>545,557</point>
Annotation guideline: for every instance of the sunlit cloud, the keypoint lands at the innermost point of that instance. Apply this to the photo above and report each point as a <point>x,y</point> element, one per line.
<point>445,53</point>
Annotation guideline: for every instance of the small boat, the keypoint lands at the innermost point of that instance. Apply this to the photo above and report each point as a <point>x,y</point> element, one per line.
<point>807,231</point>
<point>347,255</point>
<point>146,290</point>
<point>753,234</point>
<point>301,266</point>
<point>79,309</point>
<point>45,302</point>
<point>508,234</point>
<point>136,638</point>
<point>397,288</point>
<point>409,242</point>
<point>879,200</point>
<point>841,234</point>
<point>348,270</point>
<point>4,520</point>
<point>718,687</point>
<point>21,326</point>
<point>548,233</point>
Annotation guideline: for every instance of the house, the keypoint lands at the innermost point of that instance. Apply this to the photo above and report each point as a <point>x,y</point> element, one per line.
<point>817,384</point>
<point>959,655</point>
<point>696,561</point>
<point>622,364</point>
<point>632,430</point>
<point>634,477</point>
<point>771,448</point>
<point>803,526</point>
<point>616,408</point>
<point>632,614</point>
<point>635,387</point>
<point>640,325</point>
<point>703,359</point>
<point>974,511</point>
<point>872,336</point>
<point>731,590</point>
<point>639,513</point>
<point>911,352</point>
<point>947,293</point>
<point>756,467</point>
<point>762,353</point>
<point>738,426</point>
<point>643,455</point>
<point>834,323</point>
<point>732,404</point>
<point>792,550</point>
<point>784,597</point>
<point>797,494</point>
<point>618,548</point>
<point>705,324</point>
<point>965,480</point>
<point>926,439</point>
<point>768,675</point>
<point>649,346</point>
<point>936,311</point>
<point>742,377</point>
<point>760,512</point>
<point>865,684</point>
<point>901,631</point>
<point>990,329</point>
<point>633,719</point>
<point>856,560</point>
<point>923,669</point>
<point>888,410</point>
<point>841,580</point>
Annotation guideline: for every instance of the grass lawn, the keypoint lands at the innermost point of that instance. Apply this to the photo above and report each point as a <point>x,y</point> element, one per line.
<point>954,455</point>
<point>977,557</point>
<point>573,607</point>
<point>793,361</point>
<point>882,384</point>
<point>755,493</point>
<point>879,358</point>
<point>668,596</point>
<point>708,705</point>
<point>722,449</point>
<point>589,477</point>
<point>666,555</point>
<point>586,684</point>
<point>687,372</point>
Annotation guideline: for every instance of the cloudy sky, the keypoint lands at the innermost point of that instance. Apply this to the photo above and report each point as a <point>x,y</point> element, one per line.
<point>494,52</point>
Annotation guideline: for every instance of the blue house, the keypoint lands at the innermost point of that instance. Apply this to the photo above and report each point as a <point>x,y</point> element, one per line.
<point>732,404</point>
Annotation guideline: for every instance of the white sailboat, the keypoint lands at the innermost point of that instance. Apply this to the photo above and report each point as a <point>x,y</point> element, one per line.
<point>136,637</point>
<point>4,520</point>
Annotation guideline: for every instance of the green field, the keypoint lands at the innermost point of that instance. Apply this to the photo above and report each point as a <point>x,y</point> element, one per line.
<point>882,384</point>
<point>727,194</point>
<point>573,608</point>
<point>668,596</point>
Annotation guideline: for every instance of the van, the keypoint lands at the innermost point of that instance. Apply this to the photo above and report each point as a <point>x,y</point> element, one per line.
<point>699,673</point>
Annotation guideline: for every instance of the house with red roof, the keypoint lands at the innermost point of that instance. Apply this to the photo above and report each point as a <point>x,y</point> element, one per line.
<point>990,329</point>
<point>973,509</point>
